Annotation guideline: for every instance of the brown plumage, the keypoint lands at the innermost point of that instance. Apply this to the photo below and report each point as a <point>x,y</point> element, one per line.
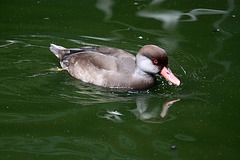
<point>113,68</point>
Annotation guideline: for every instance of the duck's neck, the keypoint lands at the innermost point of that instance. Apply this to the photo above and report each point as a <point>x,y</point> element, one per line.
<point>143,79</point>
<point>140,73</point>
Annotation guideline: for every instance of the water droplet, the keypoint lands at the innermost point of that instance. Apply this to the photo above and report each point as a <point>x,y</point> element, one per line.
<point>174,148</point>
<point>216,30</point>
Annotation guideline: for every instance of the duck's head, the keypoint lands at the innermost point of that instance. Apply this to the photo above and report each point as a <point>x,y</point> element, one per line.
<point>152,59</point>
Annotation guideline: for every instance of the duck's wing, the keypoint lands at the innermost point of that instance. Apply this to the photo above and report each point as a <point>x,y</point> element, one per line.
<point>110,61</point>
<point>60,51</point>
<point>99,69</point>
<point>124,61</point>
<point>118,53</point>
<point>101,57</point>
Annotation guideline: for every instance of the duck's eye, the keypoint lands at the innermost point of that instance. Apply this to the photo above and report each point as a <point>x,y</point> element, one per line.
<point>155,61</point>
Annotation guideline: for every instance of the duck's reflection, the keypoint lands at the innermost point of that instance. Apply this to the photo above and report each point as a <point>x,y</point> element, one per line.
<point>144,112</point>
<point>116,106</point>
<point>167,105</point>
<point>153,113</point>
<point>148,108</point>
<point>114,116</point>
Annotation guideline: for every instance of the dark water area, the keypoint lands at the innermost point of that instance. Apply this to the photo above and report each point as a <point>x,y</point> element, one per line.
<point>47,114</point>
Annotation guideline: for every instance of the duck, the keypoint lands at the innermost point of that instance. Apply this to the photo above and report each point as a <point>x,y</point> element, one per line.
<point>116,68</point>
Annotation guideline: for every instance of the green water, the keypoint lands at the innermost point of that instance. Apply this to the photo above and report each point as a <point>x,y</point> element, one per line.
<point>47,114</point>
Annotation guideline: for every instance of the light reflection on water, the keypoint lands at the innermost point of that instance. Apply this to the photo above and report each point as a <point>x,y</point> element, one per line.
<point>171,18</point>
<point>106,7</point>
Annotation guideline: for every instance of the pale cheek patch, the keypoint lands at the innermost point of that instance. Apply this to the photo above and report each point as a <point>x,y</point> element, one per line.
<point>146,65</point>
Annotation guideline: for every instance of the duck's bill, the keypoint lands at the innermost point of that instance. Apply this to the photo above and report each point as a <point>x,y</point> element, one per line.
<point>167,73</point>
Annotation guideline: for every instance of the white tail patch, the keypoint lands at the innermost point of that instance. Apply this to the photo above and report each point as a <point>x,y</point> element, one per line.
<point>55,49</point>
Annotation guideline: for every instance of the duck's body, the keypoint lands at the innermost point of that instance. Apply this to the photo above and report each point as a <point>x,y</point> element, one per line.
<point>110,67</point>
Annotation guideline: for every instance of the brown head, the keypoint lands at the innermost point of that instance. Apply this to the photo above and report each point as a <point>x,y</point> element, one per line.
<point>152,59</point>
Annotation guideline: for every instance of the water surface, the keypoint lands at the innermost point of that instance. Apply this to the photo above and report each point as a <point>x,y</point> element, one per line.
<point>48,114</point>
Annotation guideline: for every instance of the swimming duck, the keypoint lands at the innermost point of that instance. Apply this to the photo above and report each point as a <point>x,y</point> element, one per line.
<point>115,68</point>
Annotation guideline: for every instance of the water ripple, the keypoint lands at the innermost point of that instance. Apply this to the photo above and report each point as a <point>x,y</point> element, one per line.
<point>24,117</point>
<point>164,148</point>
<point>56,145</point>
<point>126,142</point>
<point>184,137</point>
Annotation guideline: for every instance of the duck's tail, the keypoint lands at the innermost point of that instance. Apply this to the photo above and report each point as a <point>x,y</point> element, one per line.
<point>59,51</point>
